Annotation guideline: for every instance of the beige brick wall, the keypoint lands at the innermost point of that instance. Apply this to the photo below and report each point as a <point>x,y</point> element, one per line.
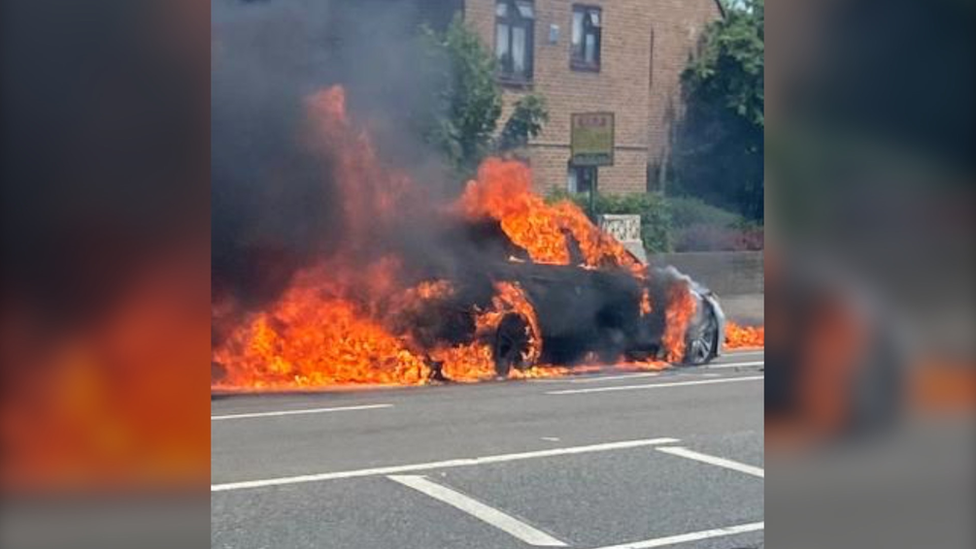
<point>625,83</point>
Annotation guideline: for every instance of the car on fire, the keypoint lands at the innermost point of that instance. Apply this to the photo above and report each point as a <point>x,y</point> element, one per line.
<point>583,313</point>
<point>580,314</point>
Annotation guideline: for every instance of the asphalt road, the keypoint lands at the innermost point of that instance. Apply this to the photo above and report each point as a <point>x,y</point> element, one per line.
<point>607,460</point>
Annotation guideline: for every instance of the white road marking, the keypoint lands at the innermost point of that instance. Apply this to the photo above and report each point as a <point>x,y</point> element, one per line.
<point>478,510</point>
<point>736,364</point>
<point>654,386</point>
<point>300,412</point>
<point>693,536</point>
<point>737,353</point>
<point>714,460</point>
<point>611,378</point>
<point>458,462</point>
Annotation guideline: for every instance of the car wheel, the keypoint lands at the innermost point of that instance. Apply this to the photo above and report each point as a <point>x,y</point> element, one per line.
<point>702,340</point>
<point>511,344</point>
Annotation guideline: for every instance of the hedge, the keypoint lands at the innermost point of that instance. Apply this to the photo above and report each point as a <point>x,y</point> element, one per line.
<point>675,224</point>
<point>651,207</point>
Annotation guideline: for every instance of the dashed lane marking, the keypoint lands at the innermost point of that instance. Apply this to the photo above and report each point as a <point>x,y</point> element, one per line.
<point>692,536</point>
<point>485,513</point>
<point>654,386</point>
<point>613,378</point>
<point>735,364</point>
<point>299,412</point>
<point>713,460</point>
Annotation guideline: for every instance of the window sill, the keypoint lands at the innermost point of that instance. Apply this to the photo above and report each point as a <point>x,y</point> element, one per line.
<point>581,66</point>
<point>514,82</point>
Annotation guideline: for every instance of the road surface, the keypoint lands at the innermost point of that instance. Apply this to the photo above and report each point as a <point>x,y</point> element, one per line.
<point>603,461</point>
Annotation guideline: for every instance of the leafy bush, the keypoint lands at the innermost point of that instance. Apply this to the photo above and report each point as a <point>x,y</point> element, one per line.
<point>701,227</point>
<point>686,212</point>
<point>702,237</point>
<point>652,209</point>
<point>679,224</point>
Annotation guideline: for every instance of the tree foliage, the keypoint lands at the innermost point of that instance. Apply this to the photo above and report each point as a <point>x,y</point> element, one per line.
<point>720,143</point>
<point>729,67</point>
<point>528,117</point>
<point>468,106</point>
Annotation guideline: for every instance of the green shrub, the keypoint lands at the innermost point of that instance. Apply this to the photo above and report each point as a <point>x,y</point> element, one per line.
<point>651,207</point>
<point>558,194</point>
<point>686,212</point>
<point>697,226</point>
<point>712,238</point>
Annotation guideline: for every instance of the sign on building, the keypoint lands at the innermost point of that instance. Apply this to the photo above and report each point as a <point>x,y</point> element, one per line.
<point>591,139</point>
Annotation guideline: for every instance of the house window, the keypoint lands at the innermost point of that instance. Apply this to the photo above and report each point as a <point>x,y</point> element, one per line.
<point>579,179</point>
<point>514,45</point>
<point>586,38</point>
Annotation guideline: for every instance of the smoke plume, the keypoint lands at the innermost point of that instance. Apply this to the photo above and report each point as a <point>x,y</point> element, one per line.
<point>275,202</point>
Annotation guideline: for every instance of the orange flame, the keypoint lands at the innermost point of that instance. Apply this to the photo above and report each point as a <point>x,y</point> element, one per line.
<point>681,307</point>
<point>475,362</point>
<point>503,191</point>
<point>744,337</point>
<point>311,340</point>
<point>645,303</point>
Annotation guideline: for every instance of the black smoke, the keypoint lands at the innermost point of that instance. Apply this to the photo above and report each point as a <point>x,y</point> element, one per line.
<point>104,152</point>
<point>275,206</point>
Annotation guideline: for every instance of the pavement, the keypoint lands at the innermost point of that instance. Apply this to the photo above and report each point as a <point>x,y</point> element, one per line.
<point>608,460</point>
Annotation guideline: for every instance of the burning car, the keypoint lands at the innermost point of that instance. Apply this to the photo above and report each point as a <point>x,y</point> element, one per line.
<point>584,315</point>
<point>490,282</point>
<point>570,314</point>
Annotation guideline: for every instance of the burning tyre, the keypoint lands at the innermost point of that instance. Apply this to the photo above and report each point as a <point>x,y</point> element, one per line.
<point>512,345</point>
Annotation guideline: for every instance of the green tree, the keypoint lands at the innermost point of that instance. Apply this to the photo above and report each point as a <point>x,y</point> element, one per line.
<point>528,117</point>
<point>718,154</point>
<point>463,123</point>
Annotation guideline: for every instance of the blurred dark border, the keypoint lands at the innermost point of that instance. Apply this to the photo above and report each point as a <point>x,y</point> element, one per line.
<point>105,257</point>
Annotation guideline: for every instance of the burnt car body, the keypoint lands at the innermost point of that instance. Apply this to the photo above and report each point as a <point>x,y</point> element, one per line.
<point>582,312</point>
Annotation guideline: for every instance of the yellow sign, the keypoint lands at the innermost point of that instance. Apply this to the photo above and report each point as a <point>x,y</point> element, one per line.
<point>591,139</point>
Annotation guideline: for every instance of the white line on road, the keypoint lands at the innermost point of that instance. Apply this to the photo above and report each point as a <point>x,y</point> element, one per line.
<point>612,378</point>
<point>736,364</point>
<point>300,412</point>
<point>739,353</point>
<point>653,386</point>
<point>713,460</point>
<point>693,536</point>
<point>459,462</point>
<point>480,511</point>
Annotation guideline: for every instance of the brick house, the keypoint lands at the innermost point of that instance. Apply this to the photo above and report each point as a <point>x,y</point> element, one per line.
<point>624,56</point>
